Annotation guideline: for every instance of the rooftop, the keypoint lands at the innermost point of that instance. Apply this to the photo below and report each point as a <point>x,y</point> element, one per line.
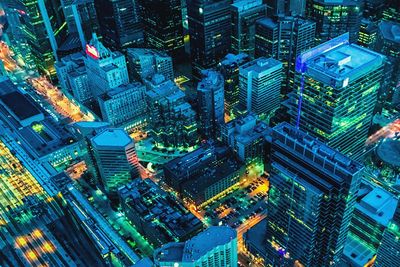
<point>20,105</point>
<point>210,79</point>
<point>379,205</point>
<point>198,246</point>
<point>112,138</point>
<point>390,31</point>
<point>260,66</point>
<point>232,59</point>
<point>389,152</point>
<point>357,253</point>
<point>243,5</point>
<point>338,63</point>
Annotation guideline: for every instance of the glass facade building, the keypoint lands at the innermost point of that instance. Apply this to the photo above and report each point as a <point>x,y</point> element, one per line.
<point>335,93</point>
<point>311,199</point>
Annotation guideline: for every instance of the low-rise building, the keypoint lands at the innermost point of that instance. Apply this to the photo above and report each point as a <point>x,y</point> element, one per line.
<point>156,214</point>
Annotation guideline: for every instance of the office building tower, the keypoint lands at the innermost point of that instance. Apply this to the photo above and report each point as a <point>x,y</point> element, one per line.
<point>172,119</point>
<point>119,22</point>
<point>244,16</point>
<point>392,11</point>
<point>229,68</point>
<point>45,31</point>
<point>116,159</point>
<point>337,84</point>
<point>210,97</point>
<point>214,247</point>
<point>311,199</point>
<point>156,214</point>
<point>163,29</point>
<point>336,17</point>
<point>284,38</point>
<point>73,78</point>
<point>124,106</point>
<point>106,70</point>
<point>373,9</point>
<point>368,34</point>
<point>246,137</point>
<point>389,250</point>
<point>81,17</point>
<point>373,212</point>
<point>260,84</point>
<point>210,32</point>
<point>144,63</point>
<point>203,175</point>
<point>295,8</point>
<point>388,44</point>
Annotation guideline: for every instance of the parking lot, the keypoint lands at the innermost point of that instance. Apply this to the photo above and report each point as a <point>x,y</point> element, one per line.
<point>240,205</point>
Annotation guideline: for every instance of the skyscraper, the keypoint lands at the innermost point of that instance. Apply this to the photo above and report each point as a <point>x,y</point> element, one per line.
<point>368,34</point>
<point>244,16</point>
<point>210,95</point>
<point>337,84</point>
<point>45,31</point>
<point>119,23</point>
<point>116,158</point>
<point>229,68</point>
<point>105,69</point>
<point>284,38</point>
<point>260,85</point>
<point>210,31</point>
<point>287,7</point>
<point>336,17</point>
<point>311,199</point>
<point>162,21</point>
<point>214,247</point>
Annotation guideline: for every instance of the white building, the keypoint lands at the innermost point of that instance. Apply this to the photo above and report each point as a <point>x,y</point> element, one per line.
<point>124,104</point>
<point>116,158</point>
<point>106,69</point>
<point>144,63</point>
<point>259,85</point>
<point>214,247</point>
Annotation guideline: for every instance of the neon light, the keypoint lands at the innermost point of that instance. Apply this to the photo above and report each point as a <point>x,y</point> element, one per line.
<point>92,51</point>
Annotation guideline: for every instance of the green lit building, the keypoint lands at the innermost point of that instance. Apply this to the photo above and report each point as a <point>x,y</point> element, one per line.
<point>367,34</point>
<point>339,93</point>
<point>311,200</point>
<point>337,17</point>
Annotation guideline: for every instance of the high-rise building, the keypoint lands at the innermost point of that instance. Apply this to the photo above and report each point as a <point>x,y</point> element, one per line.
<point>336,17</point>
<point>73,78</point>
<point>392,11</point>
<point>311,199</point>
<point>373,212</point>
<point>389,250</point>
<point>210,96</point>
<point>45,31</point>
<point>284,38</point>
<point>286,7</point>
<point>124,106</point>
<point>210,32</point>
<point>244,16</point>
<point>116,158</point>
<point>260,85</point>
<point>119,22</point>
<point>163,28</point>
<point>368,33</point>
<point>388,43</point>
<point>335,93</point>
<point>245,135</point>
<point>144,63</point>
<point>229,68</point>
<point>106,70</point>
<point>172,119</point>
<point>214,247</point>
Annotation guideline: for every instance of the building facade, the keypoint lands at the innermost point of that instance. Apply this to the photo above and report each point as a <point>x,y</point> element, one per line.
<point>116,159</point>
<point>311,199</point>
<point>210,96</point>
<point>259,86</point>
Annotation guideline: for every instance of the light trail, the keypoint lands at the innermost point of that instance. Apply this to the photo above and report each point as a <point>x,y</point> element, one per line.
<point>389,131</point>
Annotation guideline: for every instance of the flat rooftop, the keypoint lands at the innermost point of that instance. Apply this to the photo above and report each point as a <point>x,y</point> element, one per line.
<point>260,66</point>
<point>390,31</point>
<point>20,105</point>
<point>357,253</point>
<point>112,138</point>
<point>379,205</point>
<point>196,247</point>
<point>389,152</point>
<point>338,63</point>
<point>232,59</point>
